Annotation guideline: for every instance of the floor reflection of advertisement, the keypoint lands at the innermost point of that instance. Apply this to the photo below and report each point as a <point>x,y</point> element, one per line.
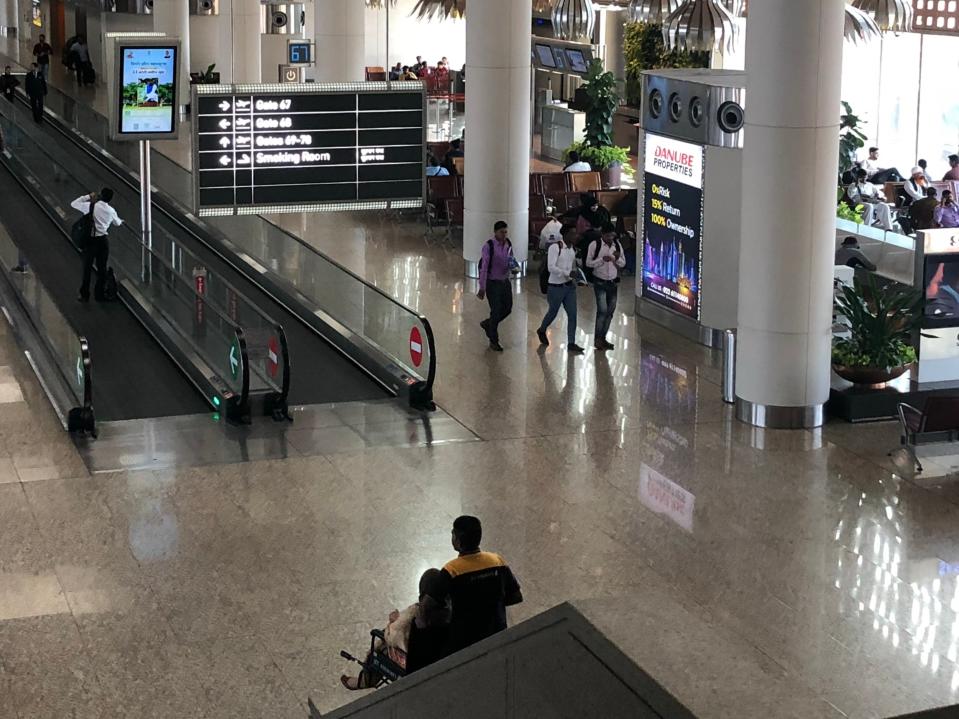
<point>148,91</point>
<point>663,496</point>
<point>673,224</point>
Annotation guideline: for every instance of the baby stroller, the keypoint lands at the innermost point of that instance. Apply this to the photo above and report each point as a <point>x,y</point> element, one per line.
<point>425,647</point>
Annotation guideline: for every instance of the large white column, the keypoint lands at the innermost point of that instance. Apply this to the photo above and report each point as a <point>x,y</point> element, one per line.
<point>8,15</point>
<point>340,40</point>
<point>793,63</point>
<point>247,41</point>
<point>498,123</point>
<point>172,18</point>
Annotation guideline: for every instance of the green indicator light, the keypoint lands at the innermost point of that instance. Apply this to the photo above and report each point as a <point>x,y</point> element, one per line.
<point>216,401</point>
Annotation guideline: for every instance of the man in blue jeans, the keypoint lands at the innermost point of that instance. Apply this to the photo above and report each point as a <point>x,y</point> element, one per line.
<point>606,258</point>
<point>561,262</point>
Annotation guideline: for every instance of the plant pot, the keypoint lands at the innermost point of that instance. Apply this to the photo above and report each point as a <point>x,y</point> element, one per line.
<point>612,176</point>
<point>869,376</point>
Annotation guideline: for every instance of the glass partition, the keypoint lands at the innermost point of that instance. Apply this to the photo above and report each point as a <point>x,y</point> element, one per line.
<point>70,351</point>
<point>400,335</point>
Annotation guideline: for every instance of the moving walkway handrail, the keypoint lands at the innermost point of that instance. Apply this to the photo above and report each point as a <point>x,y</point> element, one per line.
<point>229,331</point>
<point>393,335</point>
<point>264,335</point>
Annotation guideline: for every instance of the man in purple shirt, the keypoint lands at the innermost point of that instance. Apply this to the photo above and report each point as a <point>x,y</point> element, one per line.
<point>947,214</point>
<point>494,282</point>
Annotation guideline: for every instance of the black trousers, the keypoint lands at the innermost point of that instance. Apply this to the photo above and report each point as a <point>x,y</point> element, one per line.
<point>36,104</point>
<point>97,251</point>
<point>500,298</point>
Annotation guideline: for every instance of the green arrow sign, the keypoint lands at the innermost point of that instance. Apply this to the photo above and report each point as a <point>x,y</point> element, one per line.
<point>235,359</point>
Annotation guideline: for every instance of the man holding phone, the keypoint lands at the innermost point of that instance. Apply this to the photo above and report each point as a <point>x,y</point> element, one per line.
<point>606,258</point>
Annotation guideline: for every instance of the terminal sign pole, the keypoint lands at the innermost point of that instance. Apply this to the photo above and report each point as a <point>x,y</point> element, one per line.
<point>146,209</point>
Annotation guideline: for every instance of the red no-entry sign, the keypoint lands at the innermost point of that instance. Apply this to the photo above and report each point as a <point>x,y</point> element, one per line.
<point>273,357</point>
<point>416,347</point>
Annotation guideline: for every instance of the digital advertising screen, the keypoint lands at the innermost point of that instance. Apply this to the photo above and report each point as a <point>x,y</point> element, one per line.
<point>309,148</point>
<point>673,224</point>
<point>942,288</point>
<point>148,93</point>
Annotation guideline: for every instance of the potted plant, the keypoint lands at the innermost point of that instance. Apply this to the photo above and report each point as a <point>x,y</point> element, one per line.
<point>881,323</point>
<point>597,148</point>
<point>851,139</point>
<point>645,49</point>
<point>209,77</point>
<point>611,161</point>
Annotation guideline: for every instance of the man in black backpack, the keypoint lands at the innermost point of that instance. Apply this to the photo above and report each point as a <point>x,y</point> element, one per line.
<point>495,265</point>
<point>605,257</point>
<point>96,247</point>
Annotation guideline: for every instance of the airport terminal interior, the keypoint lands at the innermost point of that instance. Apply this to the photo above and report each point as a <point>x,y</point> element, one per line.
<point>675,321</point>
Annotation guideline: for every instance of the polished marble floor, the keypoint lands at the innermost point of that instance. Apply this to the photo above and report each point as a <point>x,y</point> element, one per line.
<point>755,574</point>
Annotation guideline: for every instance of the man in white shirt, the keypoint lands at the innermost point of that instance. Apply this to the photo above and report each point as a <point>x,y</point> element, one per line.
<point>576,164</point>
<point>915,186</point>
<point>561,263</point>
<point>96,248</point>
<point>551,233</point>
<point>874,208</point>
<point>876,174</point>
<point>606,258</point>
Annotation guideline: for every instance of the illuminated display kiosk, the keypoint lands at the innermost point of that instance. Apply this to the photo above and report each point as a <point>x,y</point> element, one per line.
<point>937,275</point>
<point>313,147</point>
<point>690,145</point>
<point>144,102</point>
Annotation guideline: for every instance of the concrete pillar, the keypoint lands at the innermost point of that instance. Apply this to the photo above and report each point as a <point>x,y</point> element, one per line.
<point>8,16</point>
<point>172,18</point>
<point>498,121</point>
<point>247,41</point>
<point>794,64</point>
<point>340,40</point>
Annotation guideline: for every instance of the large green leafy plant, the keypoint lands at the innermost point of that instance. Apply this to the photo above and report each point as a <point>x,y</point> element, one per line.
<point>851,138</point>
<point>644,49</point>
<point>881,321</point>
<point>601,157</point>
<point>603,99</point>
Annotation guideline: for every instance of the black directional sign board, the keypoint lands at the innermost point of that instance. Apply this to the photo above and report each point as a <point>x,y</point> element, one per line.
<point>311,147</point>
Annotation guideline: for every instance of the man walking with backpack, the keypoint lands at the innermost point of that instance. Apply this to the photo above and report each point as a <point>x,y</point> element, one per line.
<point>561,283</point>
<point>605,257</point>
<point>495,265</point>
<point>96,248</point>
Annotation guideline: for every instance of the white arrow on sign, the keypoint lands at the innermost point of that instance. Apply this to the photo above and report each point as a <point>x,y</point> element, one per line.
<point>225,160</point>
<point>234,360</point>
<point>224,106</point>
<point>225,142</point>
<point>224,123</point>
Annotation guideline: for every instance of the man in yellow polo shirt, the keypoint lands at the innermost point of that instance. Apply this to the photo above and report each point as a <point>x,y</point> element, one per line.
<point>481,586</point>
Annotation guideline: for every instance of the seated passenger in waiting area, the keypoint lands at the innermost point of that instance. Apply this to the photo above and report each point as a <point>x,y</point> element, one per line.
<point>481,587</point>
<point>415,637</point>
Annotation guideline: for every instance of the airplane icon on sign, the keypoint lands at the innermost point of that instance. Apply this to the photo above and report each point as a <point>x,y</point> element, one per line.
<point>242,104</point>
<point>243,140</point>
<point>243,122</point>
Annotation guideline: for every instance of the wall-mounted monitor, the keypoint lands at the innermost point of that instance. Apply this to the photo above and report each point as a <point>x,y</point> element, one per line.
<point>577,61</point>
<point>544,54</point>
<point>145,106</point>
<point>560,58</point>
